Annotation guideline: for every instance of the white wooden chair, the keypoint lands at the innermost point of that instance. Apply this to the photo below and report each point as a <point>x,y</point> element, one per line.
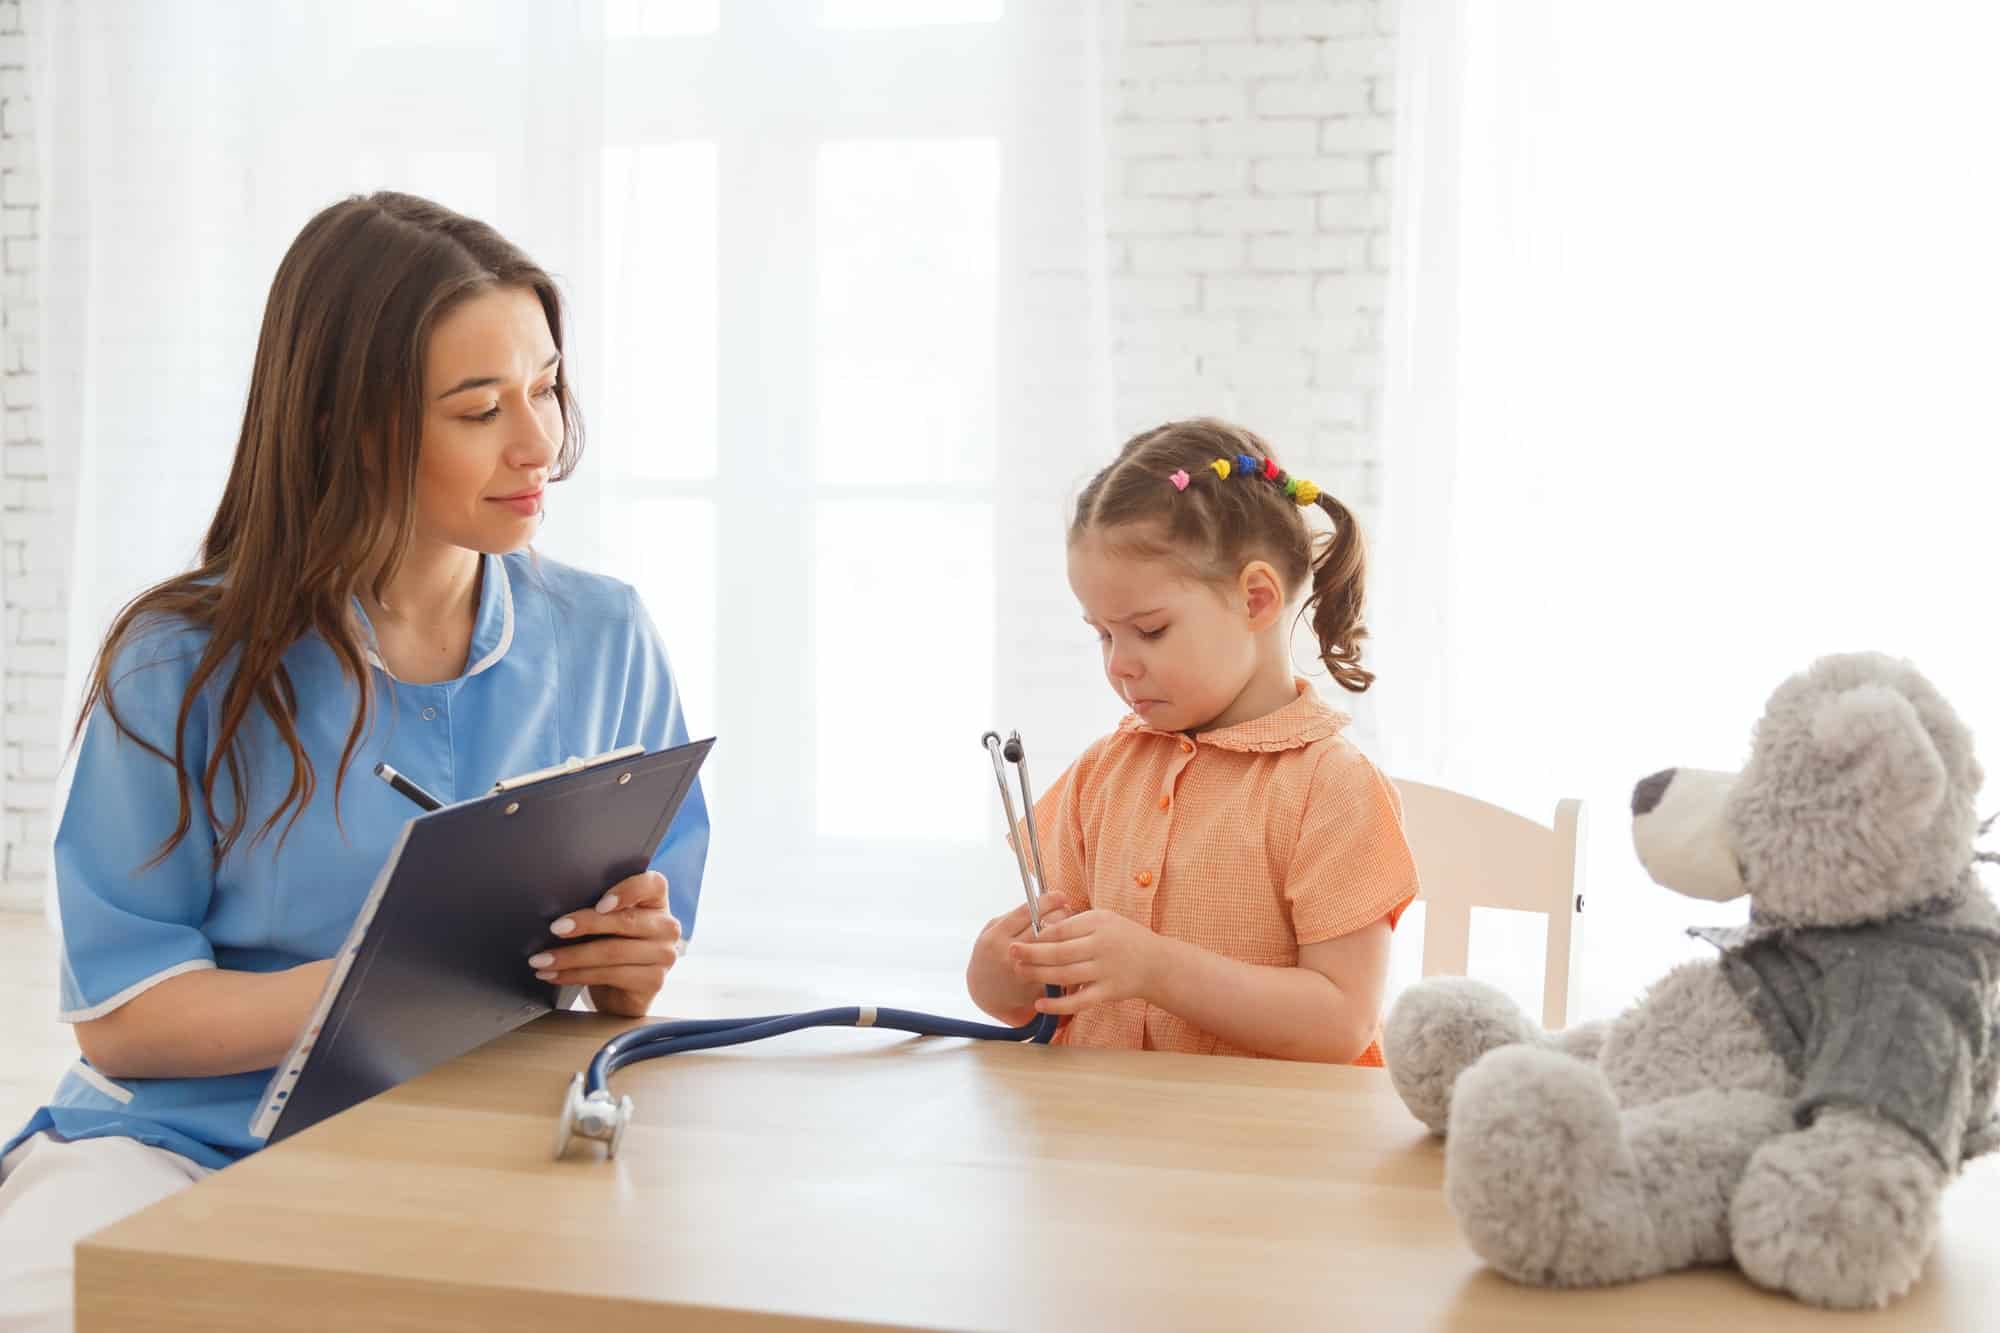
<point>1472,854</point>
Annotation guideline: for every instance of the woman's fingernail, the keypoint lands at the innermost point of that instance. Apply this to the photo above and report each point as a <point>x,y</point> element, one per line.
<point>545,976</point>
<point>562,927</point>
<point>541,960</point>
<point>608,903</point>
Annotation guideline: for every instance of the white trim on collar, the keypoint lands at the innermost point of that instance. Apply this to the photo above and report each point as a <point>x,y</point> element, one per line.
<point>496,568</point>
<point>499,569</point>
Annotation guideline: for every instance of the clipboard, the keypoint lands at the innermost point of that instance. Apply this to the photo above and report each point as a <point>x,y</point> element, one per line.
<point>436,963</point>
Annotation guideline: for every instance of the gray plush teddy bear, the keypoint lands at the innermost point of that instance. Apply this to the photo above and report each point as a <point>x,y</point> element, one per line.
<point>1797,1103</point>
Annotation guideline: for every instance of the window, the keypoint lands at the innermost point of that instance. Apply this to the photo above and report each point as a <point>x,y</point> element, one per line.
<point>829,274</point>
<point>790,343</point>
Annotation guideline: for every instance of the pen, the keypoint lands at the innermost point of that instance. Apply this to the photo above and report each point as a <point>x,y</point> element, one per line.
<point>410,789</point>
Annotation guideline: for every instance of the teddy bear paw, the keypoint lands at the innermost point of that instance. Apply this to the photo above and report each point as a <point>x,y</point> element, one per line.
<point>1842,1214</point>
<point>1538,1172</point>
<point>1438,1029</point>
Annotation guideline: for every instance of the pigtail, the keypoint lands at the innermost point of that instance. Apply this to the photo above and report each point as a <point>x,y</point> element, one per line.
<point>1335,604</point>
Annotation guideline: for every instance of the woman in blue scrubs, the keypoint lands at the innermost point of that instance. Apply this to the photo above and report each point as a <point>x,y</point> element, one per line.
<point>365,593</point>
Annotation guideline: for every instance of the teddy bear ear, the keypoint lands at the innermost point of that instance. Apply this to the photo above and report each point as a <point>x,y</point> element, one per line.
<point>1873,733</point>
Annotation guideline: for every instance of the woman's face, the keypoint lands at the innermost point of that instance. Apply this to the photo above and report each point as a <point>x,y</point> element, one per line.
<point>492,425</point>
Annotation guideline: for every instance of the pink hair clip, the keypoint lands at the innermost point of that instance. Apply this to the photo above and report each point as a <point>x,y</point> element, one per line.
<point>1179,479</point>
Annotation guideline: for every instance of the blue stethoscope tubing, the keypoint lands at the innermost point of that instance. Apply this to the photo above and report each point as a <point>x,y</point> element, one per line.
<point>588,1108</point>
<point>679,1037</point>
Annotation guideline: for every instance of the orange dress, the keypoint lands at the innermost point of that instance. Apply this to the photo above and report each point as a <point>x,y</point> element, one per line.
<point>1248,841</point>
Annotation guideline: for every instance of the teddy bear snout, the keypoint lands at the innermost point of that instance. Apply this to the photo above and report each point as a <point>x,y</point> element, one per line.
<point>1646,797</point>
<point>1680,828</point>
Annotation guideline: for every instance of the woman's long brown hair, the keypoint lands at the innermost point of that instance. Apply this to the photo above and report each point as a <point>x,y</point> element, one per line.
<point>322,492</point>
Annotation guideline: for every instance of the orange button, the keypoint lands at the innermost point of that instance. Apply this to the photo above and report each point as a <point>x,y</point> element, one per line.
<point>1145,878</point>
<point>1187,747</point>
<point>1166,801</point>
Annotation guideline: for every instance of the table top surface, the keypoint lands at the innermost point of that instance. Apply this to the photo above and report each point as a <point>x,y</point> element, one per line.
<point>864,1179</point>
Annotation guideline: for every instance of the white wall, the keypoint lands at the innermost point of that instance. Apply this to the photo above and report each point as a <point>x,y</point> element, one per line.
<point>1248,176</point>
<point>33,519</point>
<point>1244,151</point>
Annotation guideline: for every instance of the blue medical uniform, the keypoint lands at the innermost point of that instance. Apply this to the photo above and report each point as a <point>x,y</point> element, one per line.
<point>562,663</point>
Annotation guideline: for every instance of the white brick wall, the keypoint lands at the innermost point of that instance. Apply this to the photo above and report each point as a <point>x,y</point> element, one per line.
<point>1246,219</point>
<point>1248,211</point>
<point>32,535</point>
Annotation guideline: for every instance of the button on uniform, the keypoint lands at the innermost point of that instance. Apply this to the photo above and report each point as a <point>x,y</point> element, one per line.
<point>430,714</point>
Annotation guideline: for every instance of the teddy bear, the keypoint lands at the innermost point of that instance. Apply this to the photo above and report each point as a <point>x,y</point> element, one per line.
<point>1797,1102</point>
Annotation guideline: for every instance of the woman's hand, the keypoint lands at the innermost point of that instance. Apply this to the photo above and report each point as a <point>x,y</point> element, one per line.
<point>630,942</point>
<point>990,976</point>
<point>1103,956</point>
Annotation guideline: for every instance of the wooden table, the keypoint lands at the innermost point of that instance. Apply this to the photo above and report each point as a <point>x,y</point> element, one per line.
<point>848,1180</point>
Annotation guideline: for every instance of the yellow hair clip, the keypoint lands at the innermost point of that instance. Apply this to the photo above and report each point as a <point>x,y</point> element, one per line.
<point>1221,467</point>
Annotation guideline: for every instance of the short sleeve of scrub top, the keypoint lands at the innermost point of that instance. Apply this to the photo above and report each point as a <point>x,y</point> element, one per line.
<point>127,927</point>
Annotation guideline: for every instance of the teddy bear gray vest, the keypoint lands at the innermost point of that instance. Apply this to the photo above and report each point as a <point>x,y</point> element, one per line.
<point>1890,1016</point>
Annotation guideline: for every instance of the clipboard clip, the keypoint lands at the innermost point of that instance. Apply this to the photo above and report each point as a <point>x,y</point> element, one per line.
<point>570,765</point>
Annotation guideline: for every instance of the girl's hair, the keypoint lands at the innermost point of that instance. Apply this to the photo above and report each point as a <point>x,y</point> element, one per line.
<point>1164,498</point>
<point>322,492</point>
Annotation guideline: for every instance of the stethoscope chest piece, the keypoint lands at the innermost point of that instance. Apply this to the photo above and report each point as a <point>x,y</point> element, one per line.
<point>593,1117</point>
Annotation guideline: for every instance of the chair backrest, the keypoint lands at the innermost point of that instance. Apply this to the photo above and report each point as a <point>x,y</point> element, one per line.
<point>1473,854</point>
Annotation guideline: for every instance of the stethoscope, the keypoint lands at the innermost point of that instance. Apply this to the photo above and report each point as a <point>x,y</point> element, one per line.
<point>588,1109</point>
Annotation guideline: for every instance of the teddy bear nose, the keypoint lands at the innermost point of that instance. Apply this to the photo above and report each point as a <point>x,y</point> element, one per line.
<point>1648,794</point>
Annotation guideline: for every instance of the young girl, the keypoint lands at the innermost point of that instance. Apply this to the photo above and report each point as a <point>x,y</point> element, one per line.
<point>1224,868</point>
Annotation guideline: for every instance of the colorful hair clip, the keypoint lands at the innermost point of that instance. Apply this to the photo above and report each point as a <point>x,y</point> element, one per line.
<point>1179,479</point>
<point>1300,490</point>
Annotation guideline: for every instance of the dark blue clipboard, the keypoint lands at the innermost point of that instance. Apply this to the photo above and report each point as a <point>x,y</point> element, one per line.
<point>436,963</point>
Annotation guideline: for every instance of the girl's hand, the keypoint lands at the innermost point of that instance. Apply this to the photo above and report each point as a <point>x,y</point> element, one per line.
<point>990,977</point>
<point>1103,956</point>
<point>630,944</point>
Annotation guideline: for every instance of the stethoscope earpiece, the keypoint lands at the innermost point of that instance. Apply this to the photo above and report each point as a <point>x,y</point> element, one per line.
<point>1032,878</point>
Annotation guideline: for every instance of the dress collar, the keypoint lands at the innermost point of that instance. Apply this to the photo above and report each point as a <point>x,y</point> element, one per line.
<point>1307,718</point>
<point>492,623</point>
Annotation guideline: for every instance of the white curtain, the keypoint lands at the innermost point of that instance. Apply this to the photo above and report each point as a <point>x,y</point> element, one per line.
<point>1692,361</point>
<point>834,296</point>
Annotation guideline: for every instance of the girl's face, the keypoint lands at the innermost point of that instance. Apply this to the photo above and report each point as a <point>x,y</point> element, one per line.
<point>492,425</point>
<point>1177,650</point>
